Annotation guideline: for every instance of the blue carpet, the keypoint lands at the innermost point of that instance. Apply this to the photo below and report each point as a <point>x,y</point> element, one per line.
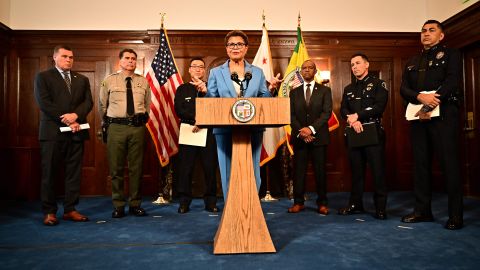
<point>307,240</point>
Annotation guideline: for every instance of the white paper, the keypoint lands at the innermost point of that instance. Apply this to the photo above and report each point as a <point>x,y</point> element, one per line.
<point>67,129</point>
<point>412,109</point>
<point>189,138</point>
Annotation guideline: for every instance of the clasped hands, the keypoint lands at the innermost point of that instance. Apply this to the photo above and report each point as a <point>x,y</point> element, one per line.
<point>306,135</point>
<point>70,119</point>
<point>352,120</point>
<point>430,100</point>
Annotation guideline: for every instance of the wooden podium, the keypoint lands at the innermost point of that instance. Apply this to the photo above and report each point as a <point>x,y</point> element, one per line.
<point>242,227</point>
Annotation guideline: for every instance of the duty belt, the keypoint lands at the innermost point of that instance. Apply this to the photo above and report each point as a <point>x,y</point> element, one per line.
<point>136,120</point>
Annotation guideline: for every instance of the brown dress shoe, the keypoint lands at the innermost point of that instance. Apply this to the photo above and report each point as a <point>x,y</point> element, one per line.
<point>323,209</point>
<point>74,216</point>
<point>296,208</point>
<point>50,220</point>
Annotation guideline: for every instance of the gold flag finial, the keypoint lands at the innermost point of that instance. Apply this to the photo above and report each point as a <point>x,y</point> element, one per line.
<point>163,18</point>
<point>263,17</point>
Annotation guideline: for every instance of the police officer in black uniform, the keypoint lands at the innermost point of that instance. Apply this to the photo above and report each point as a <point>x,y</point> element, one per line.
<point>364,102</point>
<point>185,109</point>
<point>437,69</point>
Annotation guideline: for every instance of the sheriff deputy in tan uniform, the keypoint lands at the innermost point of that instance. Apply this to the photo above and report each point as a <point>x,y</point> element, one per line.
<point>125,104</point>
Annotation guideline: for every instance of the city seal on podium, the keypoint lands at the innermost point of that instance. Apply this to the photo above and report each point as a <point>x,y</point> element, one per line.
<point>243,110</point>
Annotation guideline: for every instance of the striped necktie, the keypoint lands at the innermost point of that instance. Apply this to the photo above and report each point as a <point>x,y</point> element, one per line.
<point>67,81</point>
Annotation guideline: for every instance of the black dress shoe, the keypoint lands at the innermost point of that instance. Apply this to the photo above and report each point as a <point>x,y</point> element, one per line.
<point>454,223</point>
<point>213,209</point>
<point>351,209</point>
<point>380,214</point>
<point>137,211</point>
<point>183,209</point>
<point>118,212</point>
<point>414,218</point>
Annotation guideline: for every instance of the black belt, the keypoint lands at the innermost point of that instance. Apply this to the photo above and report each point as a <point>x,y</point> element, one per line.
<point>137,120</point>
<point>370,120</point>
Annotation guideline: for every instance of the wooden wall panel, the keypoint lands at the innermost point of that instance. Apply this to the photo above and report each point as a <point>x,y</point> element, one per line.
<point>27,112</point>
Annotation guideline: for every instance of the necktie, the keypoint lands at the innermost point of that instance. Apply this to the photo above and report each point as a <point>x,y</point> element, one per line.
<point>308,94</point>
<point>67,81</point>
<point>422,70</point>
<point>130,108</point>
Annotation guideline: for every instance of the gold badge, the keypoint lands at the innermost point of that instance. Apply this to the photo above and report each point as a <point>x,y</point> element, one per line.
<point>369,86</point>
<point>410,67</point>
<point>430,63</point>
<point>139,84</point>
<point>439,55</point>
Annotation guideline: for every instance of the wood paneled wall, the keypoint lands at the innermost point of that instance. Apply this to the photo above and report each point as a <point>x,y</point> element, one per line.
<point>96,55</point>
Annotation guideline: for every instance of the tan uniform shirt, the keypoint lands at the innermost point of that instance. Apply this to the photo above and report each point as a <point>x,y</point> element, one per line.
<point>113,94</point>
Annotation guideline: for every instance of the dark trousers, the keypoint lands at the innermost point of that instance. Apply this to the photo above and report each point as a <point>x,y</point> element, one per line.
<point>186,158</point>
<point>55,154</point>
<point>300,159</point>
<point>126,142</point>
<point>439,136</point>
<point>374,155</point>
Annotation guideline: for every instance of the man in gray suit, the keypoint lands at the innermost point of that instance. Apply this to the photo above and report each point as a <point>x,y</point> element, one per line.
<point>64,99</point>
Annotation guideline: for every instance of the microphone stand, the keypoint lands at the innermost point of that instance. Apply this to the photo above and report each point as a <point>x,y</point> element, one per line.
<point>248,77</point>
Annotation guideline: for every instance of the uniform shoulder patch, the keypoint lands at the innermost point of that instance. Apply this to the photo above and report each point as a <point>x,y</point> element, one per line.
<point>384,85</point>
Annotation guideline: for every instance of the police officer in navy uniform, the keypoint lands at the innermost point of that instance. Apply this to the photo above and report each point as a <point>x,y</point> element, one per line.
<point>363,102</point>
<point>436,70</point>
<point>185,109</point>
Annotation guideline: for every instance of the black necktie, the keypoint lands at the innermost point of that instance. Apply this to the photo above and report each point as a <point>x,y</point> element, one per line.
<point>130,108</point>
<point>67,81</point>
<point>422,70</point>
<point>308,94</point>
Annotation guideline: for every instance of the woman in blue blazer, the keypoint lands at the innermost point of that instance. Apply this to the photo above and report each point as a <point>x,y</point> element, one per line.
<point>220,84</point>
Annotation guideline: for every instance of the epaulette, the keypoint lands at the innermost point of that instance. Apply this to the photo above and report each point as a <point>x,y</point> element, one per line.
<point>113,74</point>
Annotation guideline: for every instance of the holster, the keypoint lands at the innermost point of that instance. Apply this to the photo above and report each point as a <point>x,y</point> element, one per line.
<point>105,124</point>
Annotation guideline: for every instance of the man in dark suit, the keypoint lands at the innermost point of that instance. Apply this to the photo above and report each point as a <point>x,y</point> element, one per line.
<point>311,107</point>
<point>64,99</point>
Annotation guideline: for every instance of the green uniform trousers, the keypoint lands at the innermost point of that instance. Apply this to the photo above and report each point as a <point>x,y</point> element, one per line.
<point>126,142</point>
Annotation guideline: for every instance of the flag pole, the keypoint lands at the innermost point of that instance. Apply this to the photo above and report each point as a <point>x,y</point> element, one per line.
<point>161,200</point>
<point>268,197</point>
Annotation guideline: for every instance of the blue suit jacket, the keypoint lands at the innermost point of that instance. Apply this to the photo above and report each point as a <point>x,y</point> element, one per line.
<point>220,84</point>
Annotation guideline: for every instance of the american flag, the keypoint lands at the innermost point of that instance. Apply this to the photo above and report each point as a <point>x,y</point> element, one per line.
<point>164,79</point>
<point>297,80</point>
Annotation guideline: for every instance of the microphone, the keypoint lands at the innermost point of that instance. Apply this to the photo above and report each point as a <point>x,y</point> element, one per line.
<point>248,77</point>
<point>234,77</point>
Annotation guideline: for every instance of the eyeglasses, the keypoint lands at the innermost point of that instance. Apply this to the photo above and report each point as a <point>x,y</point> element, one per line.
<point>236,45</point>
<point>197,67</point>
